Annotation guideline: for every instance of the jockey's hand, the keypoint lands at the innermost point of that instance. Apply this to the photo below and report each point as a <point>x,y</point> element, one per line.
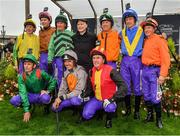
<point>56,103</point>
<point>44,92</point>
<point>106,102</point>
<point>27,116</point>
<point>161,80</point>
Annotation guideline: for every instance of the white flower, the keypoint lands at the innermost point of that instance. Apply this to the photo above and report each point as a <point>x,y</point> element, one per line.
<point>123,112</point>
<point>7,91</point>
<point>176,113</point>
<point>12,94</point>
<point>171,111</point>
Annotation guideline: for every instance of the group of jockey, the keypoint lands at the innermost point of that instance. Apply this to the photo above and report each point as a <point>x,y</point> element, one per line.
<point>84,66</point>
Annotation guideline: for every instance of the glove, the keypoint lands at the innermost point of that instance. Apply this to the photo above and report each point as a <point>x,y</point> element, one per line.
<point>85,99</point>
<point>50,68</point>
<point>106,103</point>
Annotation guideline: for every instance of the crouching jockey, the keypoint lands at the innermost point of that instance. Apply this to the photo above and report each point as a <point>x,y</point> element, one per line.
<point>156,62</point>
<point>105,81</point>
<point>32,84</point>
<point>73,83</point>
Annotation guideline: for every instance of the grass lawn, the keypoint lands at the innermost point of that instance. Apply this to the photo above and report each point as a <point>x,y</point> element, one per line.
<point>11,123</point>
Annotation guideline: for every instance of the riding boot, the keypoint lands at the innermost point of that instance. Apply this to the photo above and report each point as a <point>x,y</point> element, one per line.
<point>137,105</point>
<point>108,123</point>
<point>150,116</point>
<point>158,115</point>
<point>128,105</point>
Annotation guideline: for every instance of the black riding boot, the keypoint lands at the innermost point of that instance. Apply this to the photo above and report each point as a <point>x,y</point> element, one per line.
<point>80,117</point>
<point>150,116</point>
<point>158,115</point>
<point>47,108</point>
<point>128,105</point>
<point>109,120</point>
<point>137,105</point>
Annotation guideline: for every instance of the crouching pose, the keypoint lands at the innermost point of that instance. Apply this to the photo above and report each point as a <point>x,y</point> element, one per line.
<point>32,85</point>
<point>73,83</point>
<point>105,81</point>
<point>156,62</point>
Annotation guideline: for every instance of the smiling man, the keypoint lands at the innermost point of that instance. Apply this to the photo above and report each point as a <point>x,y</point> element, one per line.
<point>109,38</point>
<point>132,37</point>
<point>34,87</point>
<point>44,37</point>
<point>26,42</point>
<point>105,81</point>
<point>156,62</point>
<point>84,42</point>
<point>60,41</point>
<point>73,83</point>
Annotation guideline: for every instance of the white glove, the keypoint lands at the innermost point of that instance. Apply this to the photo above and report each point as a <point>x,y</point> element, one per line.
<point>65,96</point>
<point>106,103</point>
<point>84,99</point>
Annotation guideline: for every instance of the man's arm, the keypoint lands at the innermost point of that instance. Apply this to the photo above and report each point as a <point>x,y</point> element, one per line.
<point>23,93</point>
<point>15,52</point>
<point>122,88</point>
<point>51,49</point>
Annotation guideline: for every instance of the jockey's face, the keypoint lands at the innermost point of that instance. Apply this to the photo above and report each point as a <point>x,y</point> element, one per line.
<point>29,66</point>
<point>61,26</point>
<point>98,60</point>
<point>106,25</point>
<point>149,30</point>
<point>130,22</point>
<point>29,29</point>
<point>45,22</point>
<point>69,64</point>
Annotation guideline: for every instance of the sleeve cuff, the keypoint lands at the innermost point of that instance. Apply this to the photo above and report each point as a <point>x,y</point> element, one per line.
<point>26,109</point>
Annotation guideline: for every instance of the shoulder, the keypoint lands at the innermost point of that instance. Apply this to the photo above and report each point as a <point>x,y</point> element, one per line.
<point>52,30</point>
<point>42,72</point>
<point>107,67</point>
<point>54,34</point>
<point>66,72</point>
<point>20,76</point>
<point>160,38</point>
<point>99,34</point>
<point>81,69</point>
<point>69,32</point>
<point>35,36</point>
<point>91,34</point>
<point>75,36</point>
<point>20,36</point>
<point>114,31</point>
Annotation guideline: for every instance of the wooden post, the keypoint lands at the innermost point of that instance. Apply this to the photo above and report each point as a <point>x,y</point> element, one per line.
<point>27,8</point>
